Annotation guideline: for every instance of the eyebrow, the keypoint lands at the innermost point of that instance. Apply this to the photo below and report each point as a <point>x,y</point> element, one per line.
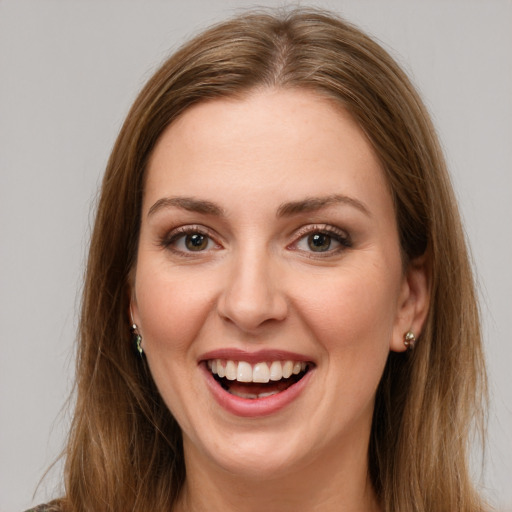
<point>309,204</point>
<point>187,203</point>
<point>312,204</point>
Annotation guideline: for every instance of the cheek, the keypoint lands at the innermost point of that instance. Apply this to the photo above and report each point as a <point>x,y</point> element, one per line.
<point>354,310</point>
<point>172,308</point>
<point>351,318</point>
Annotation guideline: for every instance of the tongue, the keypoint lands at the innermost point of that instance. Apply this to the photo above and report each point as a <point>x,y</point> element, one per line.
<point>256,388</point>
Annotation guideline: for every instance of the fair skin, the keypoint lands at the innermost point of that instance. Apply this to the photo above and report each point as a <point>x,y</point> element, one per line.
<point>268,235</point>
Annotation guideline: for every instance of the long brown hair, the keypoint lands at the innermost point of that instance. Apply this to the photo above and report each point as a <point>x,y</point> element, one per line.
<point>124,450</point>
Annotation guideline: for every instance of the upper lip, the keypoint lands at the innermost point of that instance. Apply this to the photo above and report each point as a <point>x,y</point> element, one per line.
<point>258,356</point>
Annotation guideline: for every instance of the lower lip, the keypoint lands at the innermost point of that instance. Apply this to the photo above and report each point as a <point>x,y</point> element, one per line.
<point>255,407</point>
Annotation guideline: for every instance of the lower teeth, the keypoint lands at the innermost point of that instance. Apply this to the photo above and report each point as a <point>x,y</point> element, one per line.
<point>228,386</point>
<point>253,396</point>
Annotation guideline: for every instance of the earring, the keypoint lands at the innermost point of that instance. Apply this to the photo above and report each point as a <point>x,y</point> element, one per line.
<point>409,339</point>
<point>137,340</point>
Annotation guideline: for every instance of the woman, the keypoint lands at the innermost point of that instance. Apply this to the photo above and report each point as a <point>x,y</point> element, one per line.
<point>279,312</point>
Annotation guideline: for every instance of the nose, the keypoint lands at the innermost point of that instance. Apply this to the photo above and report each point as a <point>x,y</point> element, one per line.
<point>252,294</point>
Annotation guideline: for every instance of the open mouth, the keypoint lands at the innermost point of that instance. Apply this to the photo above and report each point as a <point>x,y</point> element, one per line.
<point>260,380</point>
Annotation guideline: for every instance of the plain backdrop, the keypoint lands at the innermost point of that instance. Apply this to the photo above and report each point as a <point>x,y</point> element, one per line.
<point>69,71</point>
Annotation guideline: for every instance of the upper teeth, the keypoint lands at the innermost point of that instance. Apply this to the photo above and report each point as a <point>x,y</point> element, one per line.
<point>242,371</point>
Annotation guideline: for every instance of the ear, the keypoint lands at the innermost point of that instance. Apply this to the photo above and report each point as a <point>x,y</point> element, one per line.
<point>133,310</point>
<point>413,303</point>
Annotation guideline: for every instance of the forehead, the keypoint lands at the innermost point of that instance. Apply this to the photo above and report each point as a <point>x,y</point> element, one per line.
<point>271,143</point>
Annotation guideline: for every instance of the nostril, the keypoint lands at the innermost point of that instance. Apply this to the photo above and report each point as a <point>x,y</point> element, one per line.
<point>251,315</point>
<point>252,295</point>
<point>251,311</point>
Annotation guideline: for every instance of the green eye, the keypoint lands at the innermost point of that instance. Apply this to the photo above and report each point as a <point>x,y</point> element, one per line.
<point>319,242</point>
<point>196,242</point>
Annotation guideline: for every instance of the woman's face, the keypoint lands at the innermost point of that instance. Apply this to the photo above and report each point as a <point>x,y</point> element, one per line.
<point>269,286</point>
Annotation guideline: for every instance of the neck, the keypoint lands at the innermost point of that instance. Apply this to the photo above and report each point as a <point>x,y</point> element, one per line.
<point>325,484</point>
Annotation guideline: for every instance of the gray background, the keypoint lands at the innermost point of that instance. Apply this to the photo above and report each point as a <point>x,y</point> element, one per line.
<point>69,71</point>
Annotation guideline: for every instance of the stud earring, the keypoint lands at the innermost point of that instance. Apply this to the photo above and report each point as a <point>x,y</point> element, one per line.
<point>137,340</point>
<point>409,339</point>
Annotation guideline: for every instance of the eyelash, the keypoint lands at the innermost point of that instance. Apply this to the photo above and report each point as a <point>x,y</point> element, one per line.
<point>182,232</point>
<point>334,233</point>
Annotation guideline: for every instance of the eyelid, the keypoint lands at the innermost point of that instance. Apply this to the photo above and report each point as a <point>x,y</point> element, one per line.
<point>340,235</point>
<point>175,234</point>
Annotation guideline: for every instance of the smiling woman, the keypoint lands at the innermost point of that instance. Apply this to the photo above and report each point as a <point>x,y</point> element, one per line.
<point>276,274</point>
<point>278,228</point>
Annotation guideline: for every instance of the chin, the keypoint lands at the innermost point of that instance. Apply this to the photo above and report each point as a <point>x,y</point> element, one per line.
<point>259,465</point>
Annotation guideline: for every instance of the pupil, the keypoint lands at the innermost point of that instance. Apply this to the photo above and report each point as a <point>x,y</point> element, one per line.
<point>319,242</point>
<point>196,242</point>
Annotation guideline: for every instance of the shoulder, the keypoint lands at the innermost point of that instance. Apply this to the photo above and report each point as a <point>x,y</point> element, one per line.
<point>54,506</point>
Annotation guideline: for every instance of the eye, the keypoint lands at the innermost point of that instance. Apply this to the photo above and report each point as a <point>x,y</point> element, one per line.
<point>319,242</point>
<point>186,240</point>
<point>196,241</point>
<point>326,239</point>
